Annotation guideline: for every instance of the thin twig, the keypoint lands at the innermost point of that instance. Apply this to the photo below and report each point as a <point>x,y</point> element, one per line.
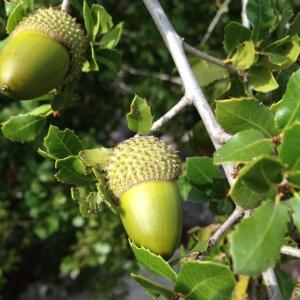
<point>160,76</point>
<point>215,20</point>
<point>235,216</point>
<point>65,5</point>
<point>192,89</point>
<point>271,284</point>
<point>245,20</point>
<point>287,250</point>
<point>171,113</point>
<point>209,58</point>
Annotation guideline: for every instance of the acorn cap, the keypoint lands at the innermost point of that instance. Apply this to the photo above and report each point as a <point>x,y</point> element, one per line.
<point>141,159</point>
<point>60,26</point>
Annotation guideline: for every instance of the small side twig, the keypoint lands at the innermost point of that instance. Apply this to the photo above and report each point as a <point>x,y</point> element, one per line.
<point>209,58</point>
<point>184,101</point>
<point>215,21</point>
<point>65,5</point>
<point>271,284</point>
<point>287,250</point>
<point>237,214</point>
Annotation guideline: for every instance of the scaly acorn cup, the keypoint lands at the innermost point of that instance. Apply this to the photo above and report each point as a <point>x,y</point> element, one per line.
<point>45,51</point>
<point>142,172</point>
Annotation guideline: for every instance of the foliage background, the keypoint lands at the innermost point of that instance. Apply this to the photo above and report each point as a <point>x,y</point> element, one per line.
<point>42,235</point>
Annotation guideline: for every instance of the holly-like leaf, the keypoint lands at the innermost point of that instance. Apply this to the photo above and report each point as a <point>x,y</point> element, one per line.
<point>72,171</point>
<point>255,243</point>
<point>235,34</point>
<point>244,56</point>
<point>97,157</point>
<point>62,143</point>
<point>139,118</point>
<point>290,145</point>
<point>153,289</point>
<point>243,147</point>
<point>261,16</point>
<point>205,280</point>
<point>153,263</point>
<point>207,73</point>
<point>256,181</point>
<point>294,204</point>
<point>111,39</point>
<point>23,127</point>
<point>262,80</point>
<point>286,107</point>
<point>89,202</point>
<point>15,17</point>
<point>239,114</point>
<point>201,170</point>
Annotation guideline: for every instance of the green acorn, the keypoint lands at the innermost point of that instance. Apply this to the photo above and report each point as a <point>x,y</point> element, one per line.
<point>142,172</point>
<point>45,51</point>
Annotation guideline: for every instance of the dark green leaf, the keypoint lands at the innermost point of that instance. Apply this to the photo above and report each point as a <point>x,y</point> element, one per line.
<point>205,280</point>
<point>139,118</point>
<point>294,204</point>
<point>152,288</point>
<point>255,243</point>
<point>244,147</point>
<point>72,171</point>
<point>285,284</point>
<point>65,98</point>
<point>201,170</point>
<point>235,34</point>
<point>295,25</point>
<point>62,143</point>
<point>23,128</point>
<point>262,80</point>
<point>109,57</point>
<point>239,114</point>
<point>255,181</point>
<point>15,17</point>
<point>261,16</point>
<point>286,107</point>
<point>153,263</point>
